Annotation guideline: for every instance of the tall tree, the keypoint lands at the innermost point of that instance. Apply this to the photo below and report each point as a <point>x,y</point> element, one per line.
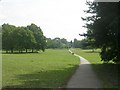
<point>39,37</point>
<point>7,38</point>
<point>103,29</point>
<point>24,38</point>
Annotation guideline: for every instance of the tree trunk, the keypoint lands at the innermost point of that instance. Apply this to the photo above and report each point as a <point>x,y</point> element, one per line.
<point>11,50</point>
<point>26,50</point>
<point>92,50</point>
<point>21,51</point>
<point>32,50</point>
<point>6,51</point>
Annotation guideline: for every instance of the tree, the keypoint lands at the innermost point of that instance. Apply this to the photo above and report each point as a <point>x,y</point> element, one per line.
<point>103,29</point>
<point>64,41</point>
<point>49,43</point>
<point>39,37</point>
<point>7,38</point>
<point>76,43</point>
<point>57,43</point>
<point>24,39</point>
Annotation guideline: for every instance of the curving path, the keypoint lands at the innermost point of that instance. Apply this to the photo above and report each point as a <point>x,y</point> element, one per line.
<point>84,76</point>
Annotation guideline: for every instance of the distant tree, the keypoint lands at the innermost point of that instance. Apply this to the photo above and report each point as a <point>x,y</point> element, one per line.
<point>84,44</point>
<point>71,44</point>
<point>57,43</point>
<point>64,41</point>
<point>49,43</point>
<point>76,43</point>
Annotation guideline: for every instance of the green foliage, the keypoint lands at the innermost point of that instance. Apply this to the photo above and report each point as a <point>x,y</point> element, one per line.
<point>84,44</point>
<point>39,37</point>
<point>52,68</point>
<point>76,43</point>
<point>22,38</point>
<point>103,29</point>
<point>57,43</point>
<point>7,37</point>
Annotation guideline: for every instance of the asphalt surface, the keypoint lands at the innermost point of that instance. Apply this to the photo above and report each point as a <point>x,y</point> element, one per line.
<point>84,76</point>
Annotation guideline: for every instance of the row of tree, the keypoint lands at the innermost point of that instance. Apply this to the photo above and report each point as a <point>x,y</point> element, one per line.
<point>22,38</point>
<point>31,38</point>
<point>84,44</point>
<point>63,43</point>
<point>58,43</point>
<point>103,29</point>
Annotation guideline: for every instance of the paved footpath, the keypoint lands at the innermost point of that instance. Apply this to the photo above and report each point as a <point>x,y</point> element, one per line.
<point>84,76</point>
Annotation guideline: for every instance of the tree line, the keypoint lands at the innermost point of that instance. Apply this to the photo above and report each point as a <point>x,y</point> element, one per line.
<point>58,43</point>
<point>22,38</point>
<point>63,43</point>
<point>103,29</point>
<point>29,38</point>
<point>83,44</point>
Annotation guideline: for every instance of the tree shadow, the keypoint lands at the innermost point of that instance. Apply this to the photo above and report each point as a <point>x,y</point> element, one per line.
<point>92,51</point>
<point>22,53</point>
<point>43,79</point>
<point>109,74</point>
<point>51,79</point>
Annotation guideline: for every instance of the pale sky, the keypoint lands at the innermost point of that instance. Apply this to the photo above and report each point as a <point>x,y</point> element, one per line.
<point>57,18</point>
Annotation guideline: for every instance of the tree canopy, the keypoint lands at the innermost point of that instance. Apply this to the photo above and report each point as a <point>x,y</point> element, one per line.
<point>103,29</point>
<point>57,43</point>
<point>22,38</point>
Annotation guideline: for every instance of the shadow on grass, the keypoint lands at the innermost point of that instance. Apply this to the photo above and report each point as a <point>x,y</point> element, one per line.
<point>92,51</point>
<point>109,74</point>
<point>57,79</point>
<point>43,79</point>
<point>23,53</point>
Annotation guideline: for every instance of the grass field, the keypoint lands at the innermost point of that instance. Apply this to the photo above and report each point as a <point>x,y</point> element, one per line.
<point>49,69</point>
<point>108,73</point>
<point>94,58</point>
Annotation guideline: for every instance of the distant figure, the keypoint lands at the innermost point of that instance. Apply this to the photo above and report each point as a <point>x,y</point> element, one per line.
<point>72,53</point>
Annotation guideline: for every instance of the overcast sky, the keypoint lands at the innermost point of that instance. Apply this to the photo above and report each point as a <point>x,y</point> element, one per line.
<point>57,18</point>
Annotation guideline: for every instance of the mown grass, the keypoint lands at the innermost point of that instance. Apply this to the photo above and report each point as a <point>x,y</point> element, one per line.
<point>108,73</point>
<point>93,57</point>
<point>50,69</point>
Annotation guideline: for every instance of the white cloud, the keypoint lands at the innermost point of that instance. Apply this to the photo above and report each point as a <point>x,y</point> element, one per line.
<point>57,18</point>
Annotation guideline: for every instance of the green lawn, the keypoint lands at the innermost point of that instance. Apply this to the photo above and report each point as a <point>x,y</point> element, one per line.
<point>108,73</point>
<point>94,58</point>
<point>52,69</point>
